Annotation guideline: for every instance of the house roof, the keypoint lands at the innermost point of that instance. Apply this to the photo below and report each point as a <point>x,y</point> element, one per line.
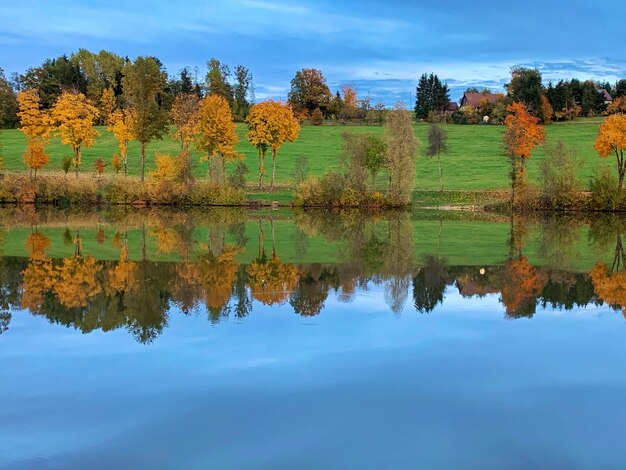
<point>606,94</point>
<point>452,106</point>
<point>474,99</point>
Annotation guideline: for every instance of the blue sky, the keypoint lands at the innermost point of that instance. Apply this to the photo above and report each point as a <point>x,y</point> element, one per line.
<point>380,47</point>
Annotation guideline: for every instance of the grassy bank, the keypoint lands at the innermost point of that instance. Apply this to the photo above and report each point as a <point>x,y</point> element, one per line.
<point>474,161</point>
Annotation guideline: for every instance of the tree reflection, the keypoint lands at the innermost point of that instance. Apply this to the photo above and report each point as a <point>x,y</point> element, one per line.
<point>159,263</point>
<point>429,285</point>
<point>609,282</point>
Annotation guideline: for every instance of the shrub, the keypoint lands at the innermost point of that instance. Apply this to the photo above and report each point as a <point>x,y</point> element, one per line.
<point>317,118</point>
<point>205,194</point>
<point>61,191</point>
<point>558,181</point>
<point>124,192</point>
<point>66,164</point>
<point>604,192</point>
<point>309,192</point>
<point>100,166</point>
<point>459,117</point>
<point>301,170</point>
<point>116,163</point>
<point>167,192</point>
<point>237,178</point>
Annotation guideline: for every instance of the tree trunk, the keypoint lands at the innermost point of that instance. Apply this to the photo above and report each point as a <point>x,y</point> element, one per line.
<point>513,178</point>
<point>125,161</point>
<point>261,168</point>
<point>621,169</point>
<point>223,169</point>
<point>143,161</point>
<point>440,175</point>
<point>273,168</point>
<point>76,160</point>
<point>210,172</point>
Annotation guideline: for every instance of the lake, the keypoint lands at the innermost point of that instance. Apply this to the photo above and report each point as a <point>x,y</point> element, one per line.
<point>235,338</point>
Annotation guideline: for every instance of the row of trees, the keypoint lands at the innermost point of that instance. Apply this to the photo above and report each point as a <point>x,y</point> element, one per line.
<point>311,98</point>
<point>139,115</point>
<point>559,101</point>
<point>93,74</point>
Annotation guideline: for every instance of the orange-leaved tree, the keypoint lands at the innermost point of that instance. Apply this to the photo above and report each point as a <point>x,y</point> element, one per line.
<point>270,125</point>
<point>121,124</point>
<point>215,134</point>
<point>35,125</point>
<point>73,118</point>
<point>611,139</point>
<point>523,134</point>
<point>35,156</point>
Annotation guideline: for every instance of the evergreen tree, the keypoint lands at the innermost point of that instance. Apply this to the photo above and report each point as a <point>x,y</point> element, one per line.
<point>620,88</point>
<point>431,95</point>
<point>241,92</point>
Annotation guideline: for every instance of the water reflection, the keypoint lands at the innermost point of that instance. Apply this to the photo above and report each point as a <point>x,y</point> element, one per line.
<point>133,269</point>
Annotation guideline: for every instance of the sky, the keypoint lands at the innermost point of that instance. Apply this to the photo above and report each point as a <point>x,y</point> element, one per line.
<point>379,47</point>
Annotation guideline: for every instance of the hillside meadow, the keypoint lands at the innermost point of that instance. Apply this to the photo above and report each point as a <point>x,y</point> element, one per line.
<point>474,160</point>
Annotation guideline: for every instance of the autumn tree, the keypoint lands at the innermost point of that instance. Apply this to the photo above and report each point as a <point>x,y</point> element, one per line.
<point>215,134</point>
<point>116,163</point>
<point>167,167</point>
<point>106,105</point>
<point>350,101</point>
<point>184,116</point>
<point>547,112</point>
<point>34,122</point>
<point>611,139</point>
<point>121,125</point>
<point>309,91</point>
<point>400,149</point>
<point>317,117</point>
<point>35,125</point>
<point>100,166</point>
<point>35,156</point>
<point>73,119</point>
<point>270,125</point>
<point>522,135</point>
<point>143,85</point>
<point>437,144</point>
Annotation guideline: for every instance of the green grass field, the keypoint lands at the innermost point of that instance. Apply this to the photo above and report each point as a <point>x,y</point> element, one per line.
<point>474,160</point>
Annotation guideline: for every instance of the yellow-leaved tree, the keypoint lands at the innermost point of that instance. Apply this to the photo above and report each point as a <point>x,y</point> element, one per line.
<point>611,139</point>
<point>121,124</point>
<point>214,134</point>
<point>73,118</point>
<point>271,124</point>
<point>184,115</point>
<point>35,125</point>
<point>106,104</point>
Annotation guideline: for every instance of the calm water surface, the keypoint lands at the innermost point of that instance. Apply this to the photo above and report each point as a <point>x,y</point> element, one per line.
<point>273,339</point>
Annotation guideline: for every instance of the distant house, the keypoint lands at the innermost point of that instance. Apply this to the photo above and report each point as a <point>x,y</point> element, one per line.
<point>474,99</point>
<point>452,107</point>
<point>608,99</point>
